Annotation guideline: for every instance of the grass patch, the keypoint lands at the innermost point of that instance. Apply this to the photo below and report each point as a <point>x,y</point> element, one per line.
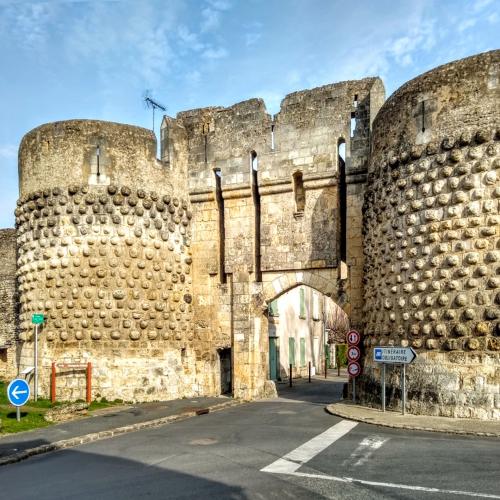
<point>30,419</point>
<point>32,413</point>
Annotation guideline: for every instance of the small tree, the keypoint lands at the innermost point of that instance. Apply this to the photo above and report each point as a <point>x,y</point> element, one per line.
<point>336,323</point>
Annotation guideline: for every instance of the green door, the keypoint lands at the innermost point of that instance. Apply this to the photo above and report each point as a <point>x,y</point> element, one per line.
<point>291,351</point>
<point>273,359</point>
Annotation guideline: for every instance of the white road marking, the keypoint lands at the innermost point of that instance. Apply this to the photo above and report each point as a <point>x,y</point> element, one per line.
<point>291,462</point>
<point>365,450</point>
<point>298,457</point>
<point>396,485</point>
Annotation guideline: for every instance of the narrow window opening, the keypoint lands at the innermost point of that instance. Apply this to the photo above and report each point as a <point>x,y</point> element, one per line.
<point>98,153</point>
<point>353,123</point>
<point>300,193</point>
<point>272,137</point>
<point>355,101</point>
<point>257,219</point>
<point>302,305</point>
<point>342,194</point>
<point>423,116</point>
<point>206,148</point>
<point>222,229</point>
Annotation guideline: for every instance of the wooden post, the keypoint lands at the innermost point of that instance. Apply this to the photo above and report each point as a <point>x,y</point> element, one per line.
<point>89,382</point>
<point>53,384</point>
<point>309,371</point>
<point>290,376</point>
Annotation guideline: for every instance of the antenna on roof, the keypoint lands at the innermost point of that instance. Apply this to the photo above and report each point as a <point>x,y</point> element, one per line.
<point>151,103</point>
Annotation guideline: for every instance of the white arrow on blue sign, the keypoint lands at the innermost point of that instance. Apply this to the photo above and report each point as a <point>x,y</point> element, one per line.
<point>18,392</point>
<point>404,355</point>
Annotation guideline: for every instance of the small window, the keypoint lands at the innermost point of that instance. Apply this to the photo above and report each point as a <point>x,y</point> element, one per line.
<point>299,192</point>
<point>315,306</point>
<point>353,124</point>
<point>254,161</point>
<point>273,309</point>
<point>302,313</point>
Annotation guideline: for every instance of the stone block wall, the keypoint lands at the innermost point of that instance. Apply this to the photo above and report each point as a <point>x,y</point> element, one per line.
<point>432,237</point>
<point>108,263</point>
<point>8,299</point>
<point>229,144</point>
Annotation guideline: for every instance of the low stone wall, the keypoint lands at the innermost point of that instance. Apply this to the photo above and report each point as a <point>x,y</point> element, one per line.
<point>458,384</point>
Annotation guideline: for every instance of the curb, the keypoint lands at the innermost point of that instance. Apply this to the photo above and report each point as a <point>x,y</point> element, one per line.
<point>408,426</point>
<point>98,436</point>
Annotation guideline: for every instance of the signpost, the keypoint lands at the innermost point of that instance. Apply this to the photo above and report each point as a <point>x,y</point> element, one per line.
<point>18,393</point>
<point>353,354</point>
<point>36,319</point>
<point>394,355</point>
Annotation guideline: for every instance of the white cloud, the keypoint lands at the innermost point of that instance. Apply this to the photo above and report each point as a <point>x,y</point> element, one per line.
<point>252,38</point>
<point>28,23</point>
<point>210,19</point>
<point>193,77</point>
<point>493,18</point>
<point>481,4</point>
<point>215,53</point>
<point>466,24</point>
<point>8,151</point>
<point>220,4</point>
<point>190,39</point>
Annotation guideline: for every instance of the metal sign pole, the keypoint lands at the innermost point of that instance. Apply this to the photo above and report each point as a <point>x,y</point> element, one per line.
<point>383,386</point>
<point>35,390</point>
<point>18,413</point>
<point>354,389</point>
<point>403,384</point>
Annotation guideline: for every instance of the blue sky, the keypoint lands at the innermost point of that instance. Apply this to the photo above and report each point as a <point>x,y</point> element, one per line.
<point>63,59</point>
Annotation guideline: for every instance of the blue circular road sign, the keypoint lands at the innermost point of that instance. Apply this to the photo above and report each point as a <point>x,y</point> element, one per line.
<point>18,392</point>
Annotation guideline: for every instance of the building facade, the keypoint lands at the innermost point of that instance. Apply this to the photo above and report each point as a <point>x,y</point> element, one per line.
<point>161,271</point>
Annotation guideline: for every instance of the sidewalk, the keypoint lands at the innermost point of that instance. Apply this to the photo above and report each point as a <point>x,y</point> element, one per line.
<point>351,411</point>
<point>106,423</point>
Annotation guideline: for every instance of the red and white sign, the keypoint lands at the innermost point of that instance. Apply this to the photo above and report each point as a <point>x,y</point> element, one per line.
<point>353,353</point>
<point>353,337</point>
<point>353,368</point>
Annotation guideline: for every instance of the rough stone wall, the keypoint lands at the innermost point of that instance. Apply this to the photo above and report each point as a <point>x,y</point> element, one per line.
<point>108,261</point>
<point>432,238</point>
<point>8,300</point>
<point>302,138</point>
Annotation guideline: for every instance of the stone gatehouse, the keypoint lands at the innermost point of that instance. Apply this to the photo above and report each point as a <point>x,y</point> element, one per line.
<point>161,271</point>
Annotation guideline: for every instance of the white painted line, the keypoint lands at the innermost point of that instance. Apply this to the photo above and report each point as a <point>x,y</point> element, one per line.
<point>291,462</point>
<point>396,485</point>
<point>296,458</point>
<point>364,450</point>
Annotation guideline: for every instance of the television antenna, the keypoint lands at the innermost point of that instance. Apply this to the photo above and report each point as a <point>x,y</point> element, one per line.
<point>151,103</point>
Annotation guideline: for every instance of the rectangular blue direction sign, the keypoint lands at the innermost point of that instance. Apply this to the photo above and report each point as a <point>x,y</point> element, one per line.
<point>404,355</point>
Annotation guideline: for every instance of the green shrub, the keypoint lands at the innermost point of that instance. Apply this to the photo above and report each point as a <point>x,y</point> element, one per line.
<point>341,354</point>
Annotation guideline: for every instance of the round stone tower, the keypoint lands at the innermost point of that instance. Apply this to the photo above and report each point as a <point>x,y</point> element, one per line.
<point>104,253</point>
<point>432,239</point>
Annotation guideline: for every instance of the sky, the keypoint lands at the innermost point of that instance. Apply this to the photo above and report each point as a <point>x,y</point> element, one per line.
<point>64,59</point>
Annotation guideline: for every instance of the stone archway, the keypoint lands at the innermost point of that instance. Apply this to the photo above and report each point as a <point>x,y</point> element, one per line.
<point>325,284</point>
<point>320,281</point>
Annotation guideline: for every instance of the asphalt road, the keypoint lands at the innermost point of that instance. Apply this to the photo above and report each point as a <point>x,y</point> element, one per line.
<point>221,455</point>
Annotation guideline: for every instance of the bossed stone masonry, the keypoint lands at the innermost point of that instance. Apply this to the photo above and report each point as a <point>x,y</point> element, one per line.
<point>108,263</point>
<point>432,239</point>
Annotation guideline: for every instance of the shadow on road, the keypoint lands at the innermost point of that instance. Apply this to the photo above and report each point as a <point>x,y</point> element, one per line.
<point>319,391</point>
<point>83,475</point>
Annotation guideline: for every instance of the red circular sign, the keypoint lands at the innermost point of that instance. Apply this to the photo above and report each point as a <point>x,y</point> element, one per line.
<point>353,353</point>
<point>353,368</point>
<point>353,337</point>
